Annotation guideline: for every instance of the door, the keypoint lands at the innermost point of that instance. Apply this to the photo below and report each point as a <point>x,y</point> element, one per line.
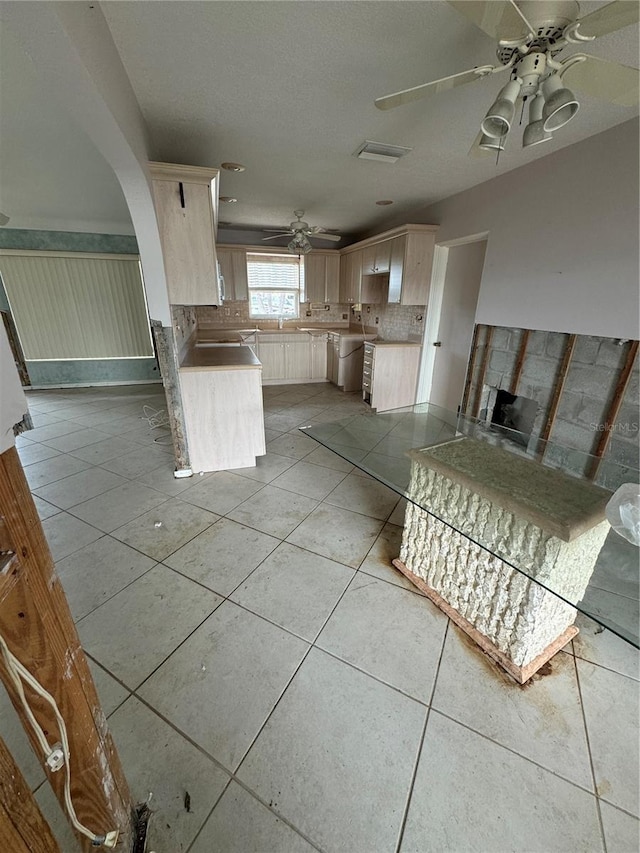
<point>457,317</point>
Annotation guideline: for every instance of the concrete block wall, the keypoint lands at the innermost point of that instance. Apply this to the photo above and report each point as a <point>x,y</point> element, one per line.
<point>585,401</point>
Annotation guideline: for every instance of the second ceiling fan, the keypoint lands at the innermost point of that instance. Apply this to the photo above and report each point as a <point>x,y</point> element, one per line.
<point>300,231</point>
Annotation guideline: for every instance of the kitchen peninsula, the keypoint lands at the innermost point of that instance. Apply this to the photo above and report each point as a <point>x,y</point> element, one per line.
<point>222,400</point>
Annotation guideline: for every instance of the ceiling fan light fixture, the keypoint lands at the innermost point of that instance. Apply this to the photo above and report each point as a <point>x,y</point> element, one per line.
<point>299,245</point>
<point>534,132</point>
<point>497,121</point>
<point>492,143</point>
<point>233,167</point>
<point>560,104</point>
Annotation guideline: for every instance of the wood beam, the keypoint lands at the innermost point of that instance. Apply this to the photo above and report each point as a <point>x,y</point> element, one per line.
<point>36,624</point>
<point>517,370</point>
<point>472,364</point>
<point>614,408</point>
<point>23,828</point>
<point>558,388</point>
<point>483,370</point>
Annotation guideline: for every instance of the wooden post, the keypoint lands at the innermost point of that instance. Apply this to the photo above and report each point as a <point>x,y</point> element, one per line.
<point>38,628</point>
<point>472,364</point>
<point>483,370</point>
<point>558,388</point>
<point>23,828</point>
<point>517,370</point>
<point>614,408</point>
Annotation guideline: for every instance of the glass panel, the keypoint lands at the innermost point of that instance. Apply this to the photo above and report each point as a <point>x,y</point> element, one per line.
<point>273,304</point>
<point>387,446</point>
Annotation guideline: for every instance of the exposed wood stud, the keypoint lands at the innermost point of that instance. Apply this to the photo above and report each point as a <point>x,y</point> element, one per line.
<point>614,408</point>
<point>472,364</point>
<point>517,370</point>
<point>23,828</point>
<point>38,628</point>
<point>483,370</point>
<point>558,388</point>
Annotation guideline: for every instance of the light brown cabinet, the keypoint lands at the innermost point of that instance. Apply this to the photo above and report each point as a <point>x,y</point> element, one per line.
<point>410,267</point>
<point>376,258</point>
<point>233,271</point>
<point>185,199</point>
<point>322,276</point>
<point>390,374</point>
<point>350,274</point>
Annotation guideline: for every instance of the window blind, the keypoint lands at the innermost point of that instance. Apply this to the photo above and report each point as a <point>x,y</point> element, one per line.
<point>282,272</point>
<point>77,306</point>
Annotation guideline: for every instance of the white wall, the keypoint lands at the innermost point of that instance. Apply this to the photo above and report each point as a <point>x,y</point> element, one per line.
<point>562,252</point>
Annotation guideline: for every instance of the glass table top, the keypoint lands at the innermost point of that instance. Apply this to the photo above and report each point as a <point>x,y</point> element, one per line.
<point>381,445</point>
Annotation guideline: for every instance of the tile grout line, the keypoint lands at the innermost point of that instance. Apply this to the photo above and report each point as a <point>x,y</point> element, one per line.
<point>405,815</point>
<point>589,753</point>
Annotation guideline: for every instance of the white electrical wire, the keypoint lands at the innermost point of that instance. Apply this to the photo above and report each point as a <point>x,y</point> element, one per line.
<point>155,417</point>
<point>19,673</point>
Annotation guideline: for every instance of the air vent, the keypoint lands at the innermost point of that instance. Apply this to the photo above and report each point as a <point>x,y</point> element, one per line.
<point>380,151</point>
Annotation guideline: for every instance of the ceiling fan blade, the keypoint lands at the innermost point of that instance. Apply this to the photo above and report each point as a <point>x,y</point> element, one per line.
<point>500,19</point>
<point>388,102</point>
<point>335,237</point>
<point>283,230</point>
<point>275,236</point>
<point>607,19</point>
<point>610,81</point>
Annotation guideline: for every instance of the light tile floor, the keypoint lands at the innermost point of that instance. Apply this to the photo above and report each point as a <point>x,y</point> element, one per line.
<point>253,647</point>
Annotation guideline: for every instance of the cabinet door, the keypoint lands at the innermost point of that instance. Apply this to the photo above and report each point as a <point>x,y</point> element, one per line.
<point>315,267</point>
<point>332,278</point>
<point>369,260</point>
<point>416,274</point>
<point>355,275</point>
<point>396,266</point>
<point>319,357</point>
<point>297,359</point>
<point>271,355</point>
<point>383,256</point>
<point>239,267</point>
<point>187,236</point>
<point>346,262</point>
<point>233,268</point>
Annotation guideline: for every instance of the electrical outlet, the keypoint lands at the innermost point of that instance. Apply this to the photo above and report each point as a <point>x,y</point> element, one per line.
<point>377,320</point>
<point>227,312</point>
<point>345,316</point>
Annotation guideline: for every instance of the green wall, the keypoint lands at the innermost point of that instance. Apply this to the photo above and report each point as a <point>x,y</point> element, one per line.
<point>86,372</point>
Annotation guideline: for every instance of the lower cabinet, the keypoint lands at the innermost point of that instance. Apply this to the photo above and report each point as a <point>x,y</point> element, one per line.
<point>292,357</point>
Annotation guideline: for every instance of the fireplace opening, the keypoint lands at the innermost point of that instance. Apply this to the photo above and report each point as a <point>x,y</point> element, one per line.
<point>514,416</point>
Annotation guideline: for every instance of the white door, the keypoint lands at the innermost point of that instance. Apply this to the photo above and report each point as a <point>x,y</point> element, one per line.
<point>457,318</point>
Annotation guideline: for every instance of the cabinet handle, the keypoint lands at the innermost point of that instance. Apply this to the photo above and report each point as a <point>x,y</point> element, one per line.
<point>182,205</point>
<point>437,344</point>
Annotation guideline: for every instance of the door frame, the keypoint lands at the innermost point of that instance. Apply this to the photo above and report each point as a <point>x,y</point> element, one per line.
<point>434,310</point>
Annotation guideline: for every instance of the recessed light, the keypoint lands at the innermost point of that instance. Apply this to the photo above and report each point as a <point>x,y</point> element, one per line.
<point>384,201</point>
<point>233,167</point>
<point>227,199</point>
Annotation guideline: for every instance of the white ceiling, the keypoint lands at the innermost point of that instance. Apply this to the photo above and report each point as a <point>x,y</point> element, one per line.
<point>287,89</point>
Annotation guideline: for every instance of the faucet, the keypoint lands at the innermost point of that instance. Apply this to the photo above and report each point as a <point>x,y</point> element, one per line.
<point>280,323</point>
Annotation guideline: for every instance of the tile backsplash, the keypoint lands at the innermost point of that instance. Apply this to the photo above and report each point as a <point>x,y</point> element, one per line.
<point>236,314</point>
<point>395,322</point>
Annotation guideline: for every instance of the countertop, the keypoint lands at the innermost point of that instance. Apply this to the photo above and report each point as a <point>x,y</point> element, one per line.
<point>562,505</point>
<point>395,343</point>
<point>219,358</point>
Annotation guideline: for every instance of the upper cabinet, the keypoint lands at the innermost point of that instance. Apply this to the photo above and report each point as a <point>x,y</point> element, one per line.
<point>233,272</point>
<point>350,274</point>
<point>185,199</point>
<point>410,266</point>
<point>376,258</point>
<point>322,276</point>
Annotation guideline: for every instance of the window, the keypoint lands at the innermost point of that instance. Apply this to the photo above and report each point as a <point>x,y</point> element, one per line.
<point>276,286</point>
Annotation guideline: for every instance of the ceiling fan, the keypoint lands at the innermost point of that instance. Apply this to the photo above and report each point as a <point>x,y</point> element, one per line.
<point>530,35</point>
<point>300,231</point>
